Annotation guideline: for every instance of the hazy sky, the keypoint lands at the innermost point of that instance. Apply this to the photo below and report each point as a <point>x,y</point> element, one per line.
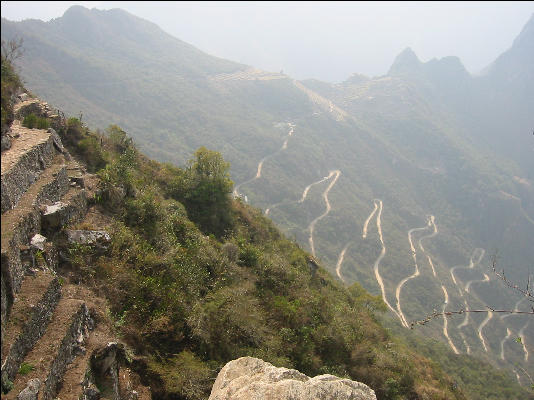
<point>327,41</point>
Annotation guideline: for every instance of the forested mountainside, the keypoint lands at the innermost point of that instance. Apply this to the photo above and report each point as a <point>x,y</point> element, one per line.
<point>182,273</point>
<point>406,183</point>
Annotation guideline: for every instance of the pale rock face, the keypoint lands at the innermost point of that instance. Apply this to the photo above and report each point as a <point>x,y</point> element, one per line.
<point>250,378</point>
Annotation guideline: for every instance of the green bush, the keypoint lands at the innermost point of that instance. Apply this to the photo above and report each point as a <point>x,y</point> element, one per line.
<point>26,368</point>
<point>33,121</point>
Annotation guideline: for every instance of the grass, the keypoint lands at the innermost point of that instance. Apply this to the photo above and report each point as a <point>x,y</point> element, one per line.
<point>26,368</point>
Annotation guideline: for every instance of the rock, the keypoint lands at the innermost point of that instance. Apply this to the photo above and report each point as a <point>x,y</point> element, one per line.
<point>31,390</point>
<point>23,96</point>
<point>250,378</point>
<point>91,393</point>
<point>38,242</point>
<point>6,142</point>
<point>101,238</point>
<point>53,216</point>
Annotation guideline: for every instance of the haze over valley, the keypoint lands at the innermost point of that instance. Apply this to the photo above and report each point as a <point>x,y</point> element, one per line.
<point>408,183</point>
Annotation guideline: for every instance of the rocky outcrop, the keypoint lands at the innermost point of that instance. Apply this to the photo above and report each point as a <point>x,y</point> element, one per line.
<point>250,378</point>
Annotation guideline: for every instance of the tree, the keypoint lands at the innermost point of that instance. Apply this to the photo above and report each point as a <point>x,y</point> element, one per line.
<point>207,192</point>
<point>11,50</point>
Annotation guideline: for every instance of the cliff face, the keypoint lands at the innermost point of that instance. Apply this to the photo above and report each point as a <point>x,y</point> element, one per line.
<point>55,338</point>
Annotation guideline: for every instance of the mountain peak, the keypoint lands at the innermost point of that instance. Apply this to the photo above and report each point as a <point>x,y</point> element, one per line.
<point>526,37</point>
<point>75,11</point>
<point>405,62</point>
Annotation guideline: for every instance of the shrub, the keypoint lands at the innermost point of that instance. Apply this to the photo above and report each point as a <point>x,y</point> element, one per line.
<point>26,368</point>
<point>33,121</point>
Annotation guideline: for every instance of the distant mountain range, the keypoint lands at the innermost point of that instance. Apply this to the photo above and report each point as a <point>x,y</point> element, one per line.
<point>407,183</point>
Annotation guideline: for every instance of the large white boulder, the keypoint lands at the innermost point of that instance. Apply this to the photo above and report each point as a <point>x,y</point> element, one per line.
<point>250,378</point>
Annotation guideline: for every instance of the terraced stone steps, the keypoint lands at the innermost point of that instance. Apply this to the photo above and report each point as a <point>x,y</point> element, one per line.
<point>61,342</point>
<point>31,153</point>
<point>21,223</point>
<point>31,313</point>
<point>72,387</point>
<point>49,335</point>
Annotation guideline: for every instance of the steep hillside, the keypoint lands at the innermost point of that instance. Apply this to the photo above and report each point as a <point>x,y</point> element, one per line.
<point>390,181</point>
<point>186,303</point>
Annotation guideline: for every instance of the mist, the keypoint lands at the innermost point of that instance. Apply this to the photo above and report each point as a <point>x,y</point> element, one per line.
<point>326,41</point>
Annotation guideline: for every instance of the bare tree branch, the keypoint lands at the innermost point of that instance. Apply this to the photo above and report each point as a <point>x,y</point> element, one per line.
<point>462,311</point>
<point>527,292</point>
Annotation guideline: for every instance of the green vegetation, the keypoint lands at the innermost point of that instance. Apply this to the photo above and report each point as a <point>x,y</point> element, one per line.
<point>10,80</point>
<point>192,302</point>
<point>26,368</point>
<point>404,143</point>
<point>32,121</point>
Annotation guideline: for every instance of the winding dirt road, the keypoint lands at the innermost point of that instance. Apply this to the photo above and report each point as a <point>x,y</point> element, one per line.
<point>445,326</point>
<point>304,195</point>
<point>340,261</point>
<point>508,334</point>
<point>523,339</point>
<point>508,331</point>
<point>468,284</point>
<point>416,271</point>
<point>378,205</point>
<point>260,164</point>
<point>481,327</point>
<point>364,233</point>
<point>471,265</point>
<point>311,227</point>
<point>463,324</point>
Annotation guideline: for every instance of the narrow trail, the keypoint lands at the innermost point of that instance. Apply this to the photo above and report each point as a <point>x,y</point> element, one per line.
<point>508,331</point>
<point>471,265</point>
<point>517,376</point>
<point>307,188</point>
<point>445,327</point>
<point>378,205</point>
<point>364,233</point>
<point>463,324</point>
<point>260,164</point>
<point>432,223</point>
<point>340,261</point>
<point>416,271</point>
<point>481,327</point>
<point>431,265</point>
<point>434,233</point>
<point>521,334</point>
<point>508,334</point>
<point>468,284</point>
<point>304,195</point>
<point>311,227</point>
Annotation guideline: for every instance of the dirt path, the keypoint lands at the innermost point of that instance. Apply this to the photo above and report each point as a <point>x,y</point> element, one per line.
<point>471,265</point>
<point>481,327</point>
<point>468,284</point>
<point>521,334</point>
<point>260,164</point>
<point>445,326</point>
<point>508,334</point>
<point>340,261</point>
<point>416,271</point>
<point>379,205</point>
<point>311,227</point>
<point>503,317</point>
<point>303,197</point>
<point>463,324</point>
<point>364,233</point>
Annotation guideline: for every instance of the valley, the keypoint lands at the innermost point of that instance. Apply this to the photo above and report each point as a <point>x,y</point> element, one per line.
<point>397,155</point>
